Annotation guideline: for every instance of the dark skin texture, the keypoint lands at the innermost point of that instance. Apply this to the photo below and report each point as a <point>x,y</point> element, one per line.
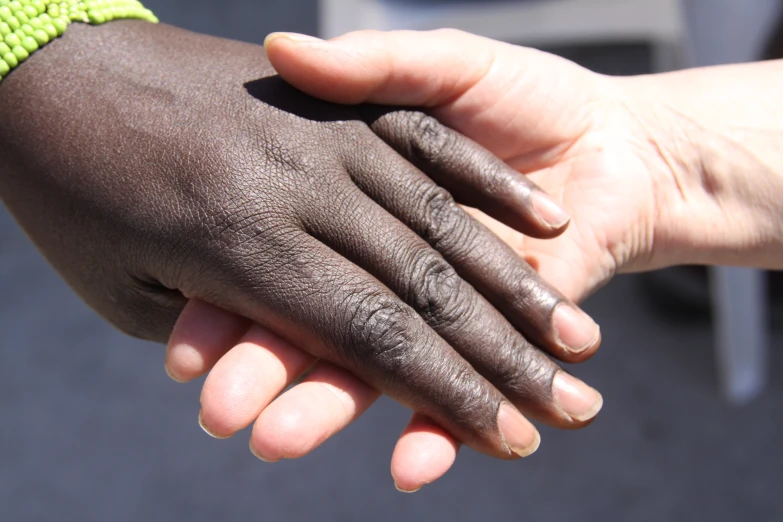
<point>151,165</point>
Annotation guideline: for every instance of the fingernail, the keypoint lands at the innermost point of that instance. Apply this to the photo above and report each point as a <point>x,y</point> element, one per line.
<point>297,37</point>
<point>406,490</point>
<point>171,375</point>
<point>518,433</point>
<point>203,427</point>
<point>575,330</point>
<point>574,397</point>
<point>258,455</point>
<point>547,210</point>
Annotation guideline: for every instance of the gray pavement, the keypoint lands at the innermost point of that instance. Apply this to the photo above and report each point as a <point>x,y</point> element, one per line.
<point>93,430</point>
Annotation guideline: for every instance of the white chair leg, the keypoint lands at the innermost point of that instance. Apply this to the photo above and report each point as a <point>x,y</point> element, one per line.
<point>739,323</point>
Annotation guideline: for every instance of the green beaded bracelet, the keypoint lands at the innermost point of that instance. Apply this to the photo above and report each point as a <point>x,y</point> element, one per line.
<point>28,25</point>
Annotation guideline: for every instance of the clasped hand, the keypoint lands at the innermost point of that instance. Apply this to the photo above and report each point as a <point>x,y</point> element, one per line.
<point>161,171</point>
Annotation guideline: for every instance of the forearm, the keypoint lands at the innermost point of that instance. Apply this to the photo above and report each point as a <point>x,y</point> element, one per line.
<point>718,133</point>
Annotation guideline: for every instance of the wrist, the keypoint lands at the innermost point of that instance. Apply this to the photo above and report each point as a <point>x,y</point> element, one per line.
<point>716,180</point>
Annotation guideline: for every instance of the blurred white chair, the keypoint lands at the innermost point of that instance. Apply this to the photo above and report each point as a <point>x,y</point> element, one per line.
<point>531,22</point>
<point>727,31</point>
<point>738,299</point>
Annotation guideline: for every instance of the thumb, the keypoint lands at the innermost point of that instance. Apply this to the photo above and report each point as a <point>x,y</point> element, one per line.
<point>423,69</point>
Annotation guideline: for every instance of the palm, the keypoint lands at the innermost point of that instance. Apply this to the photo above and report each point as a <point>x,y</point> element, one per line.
<point>575,147</point>
<point>609,201</point>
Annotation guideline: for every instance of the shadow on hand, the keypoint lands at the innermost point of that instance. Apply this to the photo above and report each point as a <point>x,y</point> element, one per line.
<point>274,91</point>
<point>277,93</point>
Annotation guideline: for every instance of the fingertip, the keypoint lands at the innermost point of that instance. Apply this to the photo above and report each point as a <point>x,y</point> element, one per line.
<point>207,430</point>
<point>550,214</point>
<point>519,434</point>
<point>402,490</point>
<point>185,362</point>
<point>172,375</point>
<point>258,455</point>
<point>580,401</point>
<point>423,454</point>
<point>576,333</point>
<point>201,335</point>
<point>281,432</point>
<point>247,378</point>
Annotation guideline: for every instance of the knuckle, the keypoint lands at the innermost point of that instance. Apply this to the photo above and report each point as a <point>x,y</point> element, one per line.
<point>429,139</point>
<point>533,294</point>
<point>443,219</point>
<point>530,373</point>
<point>384,332</point>
<point>495,179</point>
<point>437,290</point>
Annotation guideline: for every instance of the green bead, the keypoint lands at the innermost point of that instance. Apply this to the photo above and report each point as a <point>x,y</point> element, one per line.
<point>30,11</point>
<point>4,29</point>
<point>13,22</point>
<point>41,37</point>
<point>39,6</point>
<point>44,19</point>
<point>20,53</point>
<point>4,48</point>
<point>12,40</point>
<point>54,11</point>
<point>21,34</point>
<point>4,68</point>
<point>11,59</point>
<point>97,17</point>
<point>15,6</point>
<point>30,45</point>
<point>50,31</point>
<point>27,29</point>
<point>60,25</point>
<point>23,18</point>
<point>5,12</point>
<point>35,23</point>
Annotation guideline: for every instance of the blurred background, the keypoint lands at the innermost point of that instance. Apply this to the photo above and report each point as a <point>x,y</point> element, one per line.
<point>691,428</point>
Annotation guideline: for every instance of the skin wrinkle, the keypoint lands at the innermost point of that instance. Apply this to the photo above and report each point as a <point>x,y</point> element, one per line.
<point>702,186</point>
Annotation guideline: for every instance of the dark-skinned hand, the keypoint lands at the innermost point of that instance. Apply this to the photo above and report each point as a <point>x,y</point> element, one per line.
<point>153,166</point>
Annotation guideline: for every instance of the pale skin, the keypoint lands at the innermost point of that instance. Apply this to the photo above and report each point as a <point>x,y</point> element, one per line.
<point>654,170</point>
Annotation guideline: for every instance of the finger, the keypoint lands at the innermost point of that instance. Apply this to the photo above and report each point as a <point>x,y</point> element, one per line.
<point>302,418</point>
<point>246,379</point>
<point>423,69</point>
<point>376,241</point>
<point>201,335</point>
<point>473,175</point>
<point>338,312</point>
<point>535,308</point>
<point>424,453</point>
<point>464,80</point>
